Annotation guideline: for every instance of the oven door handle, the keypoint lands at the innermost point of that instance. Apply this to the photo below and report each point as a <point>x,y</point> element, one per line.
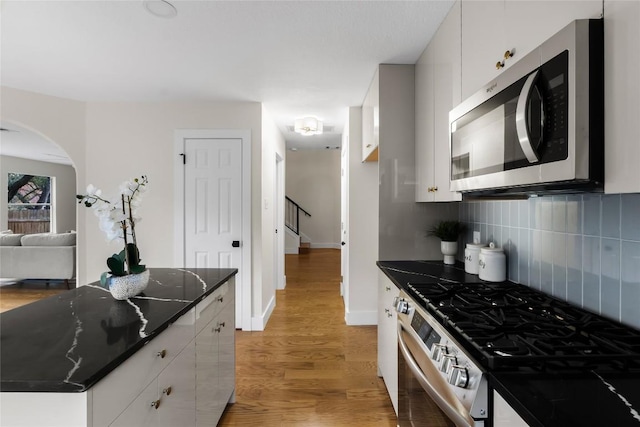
<point>459,419</point>
<point>522,122</point>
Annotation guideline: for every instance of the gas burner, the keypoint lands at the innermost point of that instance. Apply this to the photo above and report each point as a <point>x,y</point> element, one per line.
<point>510,324</point>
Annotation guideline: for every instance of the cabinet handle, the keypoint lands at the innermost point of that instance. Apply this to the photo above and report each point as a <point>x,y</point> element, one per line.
<point>220,299</point>
<point>368,145</point>
<point>216,330</point>
<point>221,324</point>
<point>155,404</point>
<point>499,64</point>
<point>509,53</point>
<point>389,315</point>
<point>162,353</point>
<point>387,288</point>
<point>386,310</point>
<point>167,391</point>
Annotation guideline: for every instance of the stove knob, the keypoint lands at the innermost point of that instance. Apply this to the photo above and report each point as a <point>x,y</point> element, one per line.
<point>402,307</point>
<point>439,350</point>
<point>448,361</point>
<point>459,376</point>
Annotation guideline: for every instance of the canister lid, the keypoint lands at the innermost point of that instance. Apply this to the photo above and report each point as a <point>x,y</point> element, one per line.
<point>476,245</point>
<point>491,249</point>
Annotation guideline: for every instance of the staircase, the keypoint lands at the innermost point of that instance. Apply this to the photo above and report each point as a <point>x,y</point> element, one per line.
<point>304,248</point>
<point>292,221</point>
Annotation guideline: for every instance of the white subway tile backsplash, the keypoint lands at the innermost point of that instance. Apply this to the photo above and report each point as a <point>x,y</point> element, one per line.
<point>581,248</point>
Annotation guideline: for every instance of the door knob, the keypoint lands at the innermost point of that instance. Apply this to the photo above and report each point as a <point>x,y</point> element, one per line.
<point>236,243</point>
<point>343,243</point>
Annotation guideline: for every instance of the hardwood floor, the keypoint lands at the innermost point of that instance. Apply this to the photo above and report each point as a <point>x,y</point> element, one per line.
<point>18,294</point>
<point>308,368</point>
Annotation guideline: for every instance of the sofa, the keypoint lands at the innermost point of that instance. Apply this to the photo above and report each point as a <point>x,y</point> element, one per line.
<point>50,256</point>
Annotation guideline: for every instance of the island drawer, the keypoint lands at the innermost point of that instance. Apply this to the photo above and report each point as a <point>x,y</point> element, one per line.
<point>120,387</point>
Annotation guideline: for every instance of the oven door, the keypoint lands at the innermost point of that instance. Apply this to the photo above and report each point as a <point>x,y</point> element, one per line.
<point>424,397</point>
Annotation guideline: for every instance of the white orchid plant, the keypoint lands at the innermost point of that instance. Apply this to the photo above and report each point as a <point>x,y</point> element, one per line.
<point>117,219</point>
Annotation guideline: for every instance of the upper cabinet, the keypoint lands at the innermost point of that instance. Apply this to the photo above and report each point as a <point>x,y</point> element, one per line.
<point>437,92</point>
<point>622,96</point>
<point>371,121</point>
<point>496,34</point>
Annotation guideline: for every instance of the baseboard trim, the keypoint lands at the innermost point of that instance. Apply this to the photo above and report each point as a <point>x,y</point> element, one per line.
<point>361,318</point>
<point>258,323</point>
<point>291,251</point>
<point>325,245</point>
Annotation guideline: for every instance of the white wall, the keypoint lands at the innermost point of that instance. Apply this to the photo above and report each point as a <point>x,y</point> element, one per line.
<point>61,121</point>
<point>264,297</point>
<point>313,182</point>
<point>64,190</point>
<point>125,140</point>
<point>111,142</point>
<point>361,280</point>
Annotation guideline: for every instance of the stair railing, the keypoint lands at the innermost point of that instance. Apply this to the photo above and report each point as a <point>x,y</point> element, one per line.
<point>292,215</point>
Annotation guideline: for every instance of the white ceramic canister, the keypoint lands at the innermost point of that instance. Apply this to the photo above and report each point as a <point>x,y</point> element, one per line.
<point>492,264</point>
<point>472,256</point>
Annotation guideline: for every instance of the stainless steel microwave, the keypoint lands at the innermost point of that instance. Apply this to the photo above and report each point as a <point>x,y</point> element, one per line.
<point>539,126</point>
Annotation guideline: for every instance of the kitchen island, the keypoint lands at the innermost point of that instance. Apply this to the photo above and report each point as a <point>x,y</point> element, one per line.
<point>82,358</point>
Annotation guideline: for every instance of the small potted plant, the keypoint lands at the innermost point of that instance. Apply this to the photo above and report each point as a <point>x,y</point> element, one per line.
<point>448,232</point>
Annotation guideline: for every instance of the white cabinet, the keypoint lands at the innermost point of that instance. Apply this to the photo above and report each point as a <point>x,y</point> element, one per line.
<point>169,400</point>
<point>622,96</point>
<point>504,415</point>
<point>387,337</point>
<point>492,28</point>
<point>371,121</point>
<point>215,359</point>
<point>130,381</point>
<point>437,92</point>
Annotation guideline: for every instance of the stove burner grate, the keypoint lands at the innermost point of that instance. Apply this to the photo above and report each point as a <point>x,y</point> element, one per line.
<point>510,324</point>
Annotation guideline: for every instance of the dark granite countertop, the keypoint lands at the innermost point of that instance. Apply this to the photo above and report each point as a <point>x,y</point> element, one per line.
<point>597,397</point>
<point>68,342</point>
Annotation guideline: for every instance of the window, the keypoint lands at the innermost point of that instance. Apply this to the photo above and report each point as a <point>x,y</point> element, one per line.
<point>29,208</point>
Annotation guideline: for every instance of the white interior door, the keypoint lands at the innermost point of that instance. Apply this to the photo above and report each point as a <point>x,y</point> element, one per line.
<point>344,206</point>
<point>213,204</point>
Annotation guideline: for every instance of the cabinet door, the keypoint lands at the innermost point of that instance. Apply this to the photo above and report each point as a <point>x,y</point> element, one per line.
<point>227,354</point>
<point>622,96</point>
<point>143,411</point>
<point>523,31</point>
<point>387,337</point>
<point>504,415</point>
<point>207,375</point>
<point>177,390</point>
<point>482,43</point>
<point>446,92</point>
<point>425,104</point>
<point>371,121</point>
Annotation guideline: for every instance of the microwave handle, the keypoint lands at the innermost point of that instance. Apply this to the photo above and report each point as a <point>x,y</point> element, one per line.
<point>522,125</point>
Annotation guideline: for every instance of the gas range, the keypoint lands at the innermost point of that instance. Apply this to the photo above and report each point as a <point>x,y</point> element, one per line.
<point>505,325</point>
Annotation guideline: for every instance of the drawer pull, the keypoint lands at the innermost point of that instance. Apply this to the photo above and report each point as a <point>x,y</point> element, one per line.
<point>155,404</point>
<point>387,288</point>
<point>167,391</point>
<point>217,329</point>
<point>162,353</point>
<point>221,324</point>
<point>220,299</point>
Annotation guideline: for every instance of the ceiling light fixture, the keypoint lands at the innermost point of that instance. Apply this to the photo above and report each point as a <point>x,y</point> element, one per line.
<point>160,8</point>
<point>308,126</point>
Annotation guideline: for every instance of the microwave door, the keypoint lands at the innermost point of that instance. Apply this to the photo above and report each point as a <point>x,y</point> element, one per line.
<point>487,154</point>
<point>530,118</point>
<point>478,146</point>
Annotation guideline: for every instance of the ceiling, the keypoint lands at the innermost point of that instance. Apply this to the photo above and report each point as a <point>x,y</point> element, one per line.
<point>298,58</point>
